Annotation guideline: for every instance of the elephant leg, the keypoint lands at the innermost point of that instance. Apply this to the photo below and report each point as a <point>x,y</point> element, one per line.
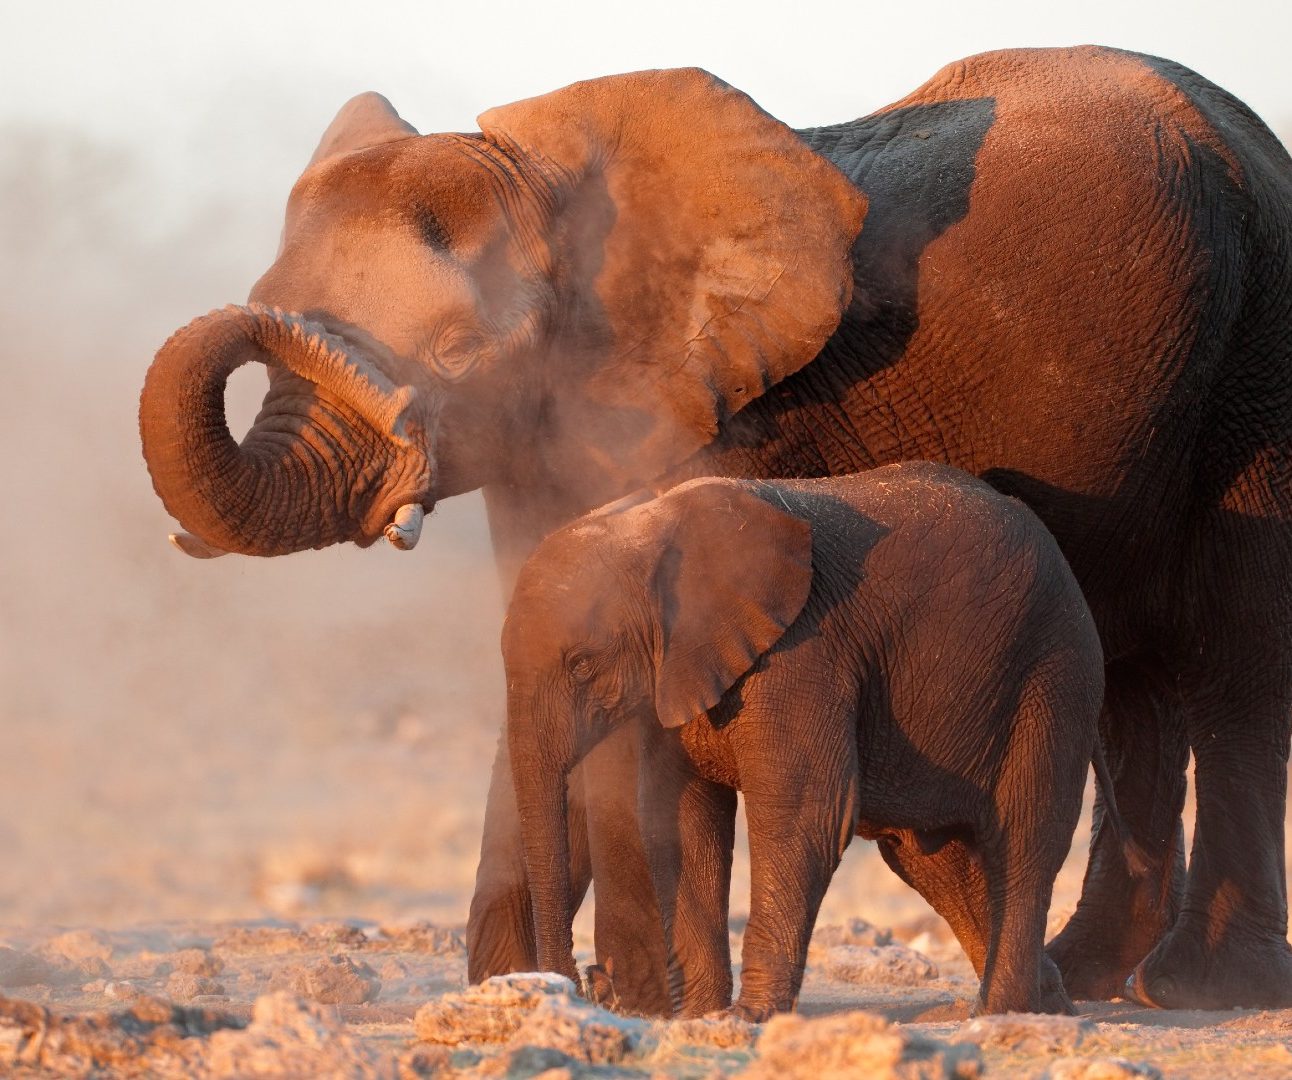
<point>628,926</point>
<point>1229,946</point>
<point>796,839</point>
<point>1019,884</point>
<point>690,828</point>
<point>951,879</point>
<point>500,924</point>
<point>1121,916</point>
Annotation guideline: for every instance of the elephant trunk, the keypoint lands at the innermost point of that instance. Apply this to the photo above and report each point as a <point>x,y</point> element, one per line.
<point>342,455</point>
<point>540,774</point>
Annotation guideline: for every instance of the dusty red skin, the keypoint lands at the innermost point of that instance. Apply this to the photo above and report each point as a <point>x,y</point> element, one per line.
<point>1069,282</point>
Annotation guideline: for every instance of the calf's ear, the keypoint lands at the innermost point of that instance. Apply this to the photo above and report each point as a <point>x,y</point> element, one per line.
<point>733,575</point>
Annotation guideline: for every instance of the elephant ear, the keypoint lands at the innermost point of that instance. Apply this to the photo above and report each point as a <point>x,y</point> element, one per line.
<point>708,247</point>
<point>364,121</point>
<point>733,576</point>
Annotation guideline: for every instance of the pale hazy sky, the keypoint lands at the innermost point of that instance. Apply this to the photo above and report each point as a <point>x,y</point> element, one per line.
<point>236,92</point>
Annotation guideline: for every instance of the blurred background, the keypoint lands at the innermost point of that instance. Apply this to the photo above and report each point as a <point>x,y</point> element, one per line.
<point>312,734</point>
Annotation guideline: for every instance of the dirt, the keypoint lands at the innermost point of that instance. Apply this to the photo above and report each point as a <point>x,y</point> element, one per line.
<point>363,997</point>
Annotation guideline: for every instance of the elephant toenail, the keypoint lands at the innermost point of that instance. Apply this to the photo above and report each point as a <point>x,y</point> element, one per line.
<point>1136,991</point>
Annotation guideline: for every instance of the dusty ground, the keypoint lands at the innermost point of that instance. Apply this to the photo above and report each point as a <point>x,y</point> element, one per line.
<point>347,913</point>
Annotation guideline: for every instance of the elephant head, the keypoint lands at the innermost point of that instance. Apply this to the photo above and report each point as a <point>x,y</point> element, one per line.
<point>570,300</point>
<point>653,611</point>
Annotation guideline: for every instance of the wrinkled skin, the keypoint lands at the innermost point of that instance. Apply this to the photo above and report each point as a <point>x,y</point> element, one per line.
<point>915,664</point>
<point>1073,280</point>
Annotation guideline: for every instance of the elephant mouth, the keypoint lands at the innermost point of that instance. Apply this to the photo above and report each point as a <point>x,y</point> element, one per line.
<point>340,451</point>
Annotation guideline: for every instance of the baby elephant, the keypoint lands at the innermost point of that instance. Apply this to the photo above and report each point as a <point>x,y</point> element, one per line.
<point>901,654</point>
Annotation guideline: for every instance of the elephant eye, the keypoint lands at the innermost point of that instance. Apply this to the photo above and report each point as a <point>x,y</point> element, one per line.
<point>456,352</point>
<point>581,667</point>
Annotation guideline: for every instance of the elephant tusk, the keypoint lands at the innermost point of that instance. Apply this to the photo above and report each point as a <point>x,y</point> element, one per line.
<point>198,549</point>
<point>406,529</point>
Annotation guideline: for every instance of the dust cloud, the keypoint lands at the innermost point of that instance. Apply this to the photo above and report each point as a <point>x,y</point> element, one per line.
<point>219,738</point>
<point>303,736</point>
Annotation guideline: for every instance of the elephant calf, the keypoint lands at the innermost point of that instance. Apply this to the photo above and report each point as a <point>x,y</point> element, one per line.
<point>901,654</point>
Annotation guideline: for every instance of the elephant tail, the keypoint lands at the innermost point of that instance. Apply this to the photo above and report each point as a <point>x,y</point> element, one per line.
<point>1136,860</point>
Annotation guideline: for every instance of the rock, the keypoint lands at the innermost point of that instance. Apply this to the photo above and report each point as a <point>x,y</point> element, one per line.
<point>336,934</point>
<point>184,986</point>
<point>1030,1032</point>
<point>391,970</point>
<point>877,965</point>
<point>78,945</point>
<point>196,962</point>
<point>151,1038</point>
<point>853,932</point>
<point>1103,1068</point>
<point>288,1036</point>
<point>723,1032</point>
<point>19,968</point>
<point>855,1044</point>
<point>121,990</point>
<point>536,1061</point>
<point>338,980</point>
<point>264,939</point>
<point>579,1030</point>
<point>425,937</point>
<point>489,1012</point>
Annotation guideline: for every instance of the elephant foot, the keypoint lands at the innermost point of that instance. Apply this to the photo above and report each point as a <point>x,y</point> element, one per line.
<point>1183,973</point>
<point>1054,994</point>
<point>498,941</point>
<point>1051,998</point>
<point>599,985</point>
<point>749,1012</point>
<point>1094,961</point>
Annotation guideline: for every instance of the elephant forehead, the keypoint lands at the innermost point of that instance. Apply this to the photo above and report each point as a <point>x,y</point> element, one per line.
<point>445,189</point>
<point>365,276</point>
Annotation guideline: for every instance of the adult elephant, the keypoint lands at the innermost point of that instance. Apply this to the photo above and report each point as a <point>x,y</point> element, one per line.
<point>1073,280</point>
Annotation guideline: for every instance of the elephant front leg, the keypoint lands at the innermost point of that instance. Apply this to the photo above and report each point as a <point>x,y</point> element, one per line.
<point>1229,946</point>
<point>796,839</point>
<point>500,925</point>
<point>1121,916</point>
<point>690,828</point>
<point>629,929</point>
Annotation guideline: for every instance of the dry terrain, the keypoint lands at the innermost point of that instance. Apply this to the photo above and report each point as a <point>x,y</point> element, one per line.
<point>312,927</point>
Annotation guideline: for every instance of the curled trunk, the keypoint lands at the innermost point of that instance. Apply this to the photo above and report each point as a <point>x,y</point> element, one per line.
<point>332,457</point>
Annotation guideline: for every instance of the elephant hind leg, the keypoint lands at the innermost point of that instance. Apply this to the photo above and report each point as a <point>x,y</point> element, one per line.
<point>1229,946</point>
<point>1120,915</point>
<point>1026,831</point>
<point>949,876</point>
